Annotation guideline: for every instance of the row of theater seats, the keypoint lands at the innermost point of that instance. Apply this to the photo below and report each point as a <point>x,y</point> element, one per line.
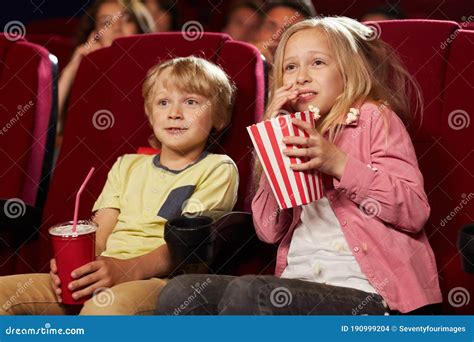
<point>106,119</point>
<point>28,95</point>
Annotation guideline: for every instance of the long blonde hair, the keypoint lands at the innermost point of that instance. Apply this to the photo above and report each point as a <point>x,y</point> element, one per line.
<point>370,69</point>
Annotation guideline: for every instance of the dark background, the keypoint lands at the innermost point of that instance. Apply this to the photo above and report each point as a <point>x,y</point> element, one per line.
<point>211,14</point>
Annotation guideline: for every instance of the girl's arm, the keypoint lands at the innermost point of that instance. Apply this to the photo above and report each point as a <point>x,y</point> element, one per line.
<point>392,186</point>
<point>270,222</point>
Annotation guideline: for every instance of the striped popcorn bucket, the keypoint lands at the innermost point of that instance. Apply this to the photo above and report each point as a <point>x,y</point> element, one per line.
<point>291,188</point>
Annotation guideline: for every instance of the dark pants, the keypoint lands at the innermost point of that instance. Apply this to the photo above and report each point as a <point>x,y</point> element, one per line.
<point>199,294</point>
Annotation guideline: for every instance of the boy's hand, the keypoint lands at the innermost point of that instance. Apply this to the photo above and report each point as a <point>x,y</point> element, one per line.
<point>322,154</point>
<point>55,281</point>
<point>105,272</point>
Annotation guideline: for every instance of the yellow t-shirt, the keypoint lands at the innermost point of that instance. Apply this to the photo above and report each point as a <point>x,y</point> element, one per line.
<point>149,194</point>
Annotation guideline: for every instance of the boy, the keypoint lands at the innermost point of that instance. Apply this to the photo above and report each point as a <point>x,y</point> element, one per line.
<point>187,100</point>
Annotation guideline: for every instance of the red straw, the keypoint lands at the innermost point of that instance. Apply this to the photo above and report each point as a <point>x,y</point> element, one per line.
<point>78,196</point>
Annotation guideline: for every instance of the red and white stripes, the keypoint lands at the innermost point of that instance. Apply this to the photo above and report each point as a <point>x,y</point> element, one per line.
<point>290,188</point>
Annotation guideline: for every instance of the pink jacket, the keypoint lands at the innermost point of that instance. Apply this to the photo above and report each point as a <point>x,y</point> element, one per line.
<point>381,206</point>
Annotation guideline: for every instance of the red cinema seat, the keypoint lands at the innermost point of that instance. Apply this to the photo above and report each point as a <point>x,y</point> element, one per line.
<point>439,56</point>
<point>66,27</point>
<point>60,46</point>
<point>106,117</point>
<point>27,129</point>
<point>457,187</point>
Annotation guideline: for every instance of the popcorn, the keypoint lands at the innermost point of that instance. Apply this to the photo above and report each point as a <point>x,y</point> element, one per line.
<point>352,116</point>
<point>315,111</point>
<point>317,268</point>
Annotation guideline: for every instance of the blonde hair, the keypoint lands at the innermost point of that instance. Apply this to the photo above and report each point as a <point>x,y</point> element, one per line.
<point>370,69</point>
<point>197,75</point>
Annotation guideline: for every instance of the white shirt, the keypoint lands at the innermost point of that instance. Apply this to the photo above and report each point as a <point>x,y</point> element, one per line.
<point>319,251</point>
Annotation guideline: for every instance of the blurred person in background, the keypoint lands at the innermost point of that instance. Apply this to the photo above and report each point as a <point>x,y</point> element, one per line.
<point>165,14</point>
<point>279,15</point>
<point>244,20</point>
<point>104,21</point>
<point>383,13</point>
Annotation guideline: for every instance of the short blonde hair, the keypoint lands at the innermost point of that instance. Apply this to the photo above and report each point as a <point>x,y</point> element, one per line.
<point>370,69</point>
<point>197,75</point>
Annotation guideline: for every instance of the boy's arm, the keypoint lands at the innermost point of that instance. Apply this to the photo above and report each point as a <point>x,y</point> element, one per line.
<point>106,219</point>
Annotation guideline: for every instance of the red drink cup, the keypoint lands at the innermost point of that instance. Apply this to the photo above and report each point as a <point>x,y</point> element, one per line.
<point>72,250</point>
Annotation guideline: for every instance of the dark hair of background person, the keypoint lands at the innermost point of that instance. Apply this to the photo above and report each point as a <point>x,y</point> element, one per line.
<point>136,10</point>
<point>171,7</point>
<point>305,7</point>
<point>391,12</point>
<point>255,6</point>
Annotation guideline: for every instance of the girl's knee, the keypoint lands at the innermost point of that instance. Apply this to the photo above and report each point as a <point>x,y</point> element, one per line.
<point>241,296</point>
<point>175,293</point>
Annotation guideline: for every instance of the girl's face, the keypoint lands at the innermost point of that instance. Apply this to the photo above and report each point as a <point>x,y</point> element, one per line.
<point>113,22</point>
<point>309,64</point>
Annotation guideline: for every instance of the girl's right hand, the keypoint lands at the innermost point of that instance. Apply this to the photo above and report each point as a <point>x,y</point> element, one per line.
<point>280,99</point>
<point>55,281</point>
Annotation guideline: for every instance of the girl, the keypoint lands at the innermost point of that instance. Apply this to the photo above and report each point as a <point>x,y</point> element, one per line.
<point>361,249</point>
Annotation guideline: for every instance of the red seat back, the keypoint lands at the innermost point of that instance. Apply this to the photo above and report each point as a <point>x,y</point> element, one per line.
<point>440,57</point>
<point>26,106</point>
<point>60,46</point>
<point>456,190</point>
<point>27,130</point>
<point>66,27</point>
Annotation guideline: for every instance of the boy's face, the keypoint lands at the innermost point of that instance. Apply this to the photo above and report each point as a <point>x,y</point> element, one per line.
<point>181,121</point>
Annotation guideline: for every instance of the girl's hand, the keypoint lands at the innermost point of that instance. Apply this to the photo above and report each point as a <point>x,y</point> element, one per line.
<point>55,281</point>
<point>104,272</point>
<point>323,155</point>
<point>280,99</point>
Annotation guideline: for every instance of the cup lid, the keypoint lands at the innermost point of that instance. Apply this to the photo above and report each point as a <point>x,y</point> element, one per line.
<point>65,229</point>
